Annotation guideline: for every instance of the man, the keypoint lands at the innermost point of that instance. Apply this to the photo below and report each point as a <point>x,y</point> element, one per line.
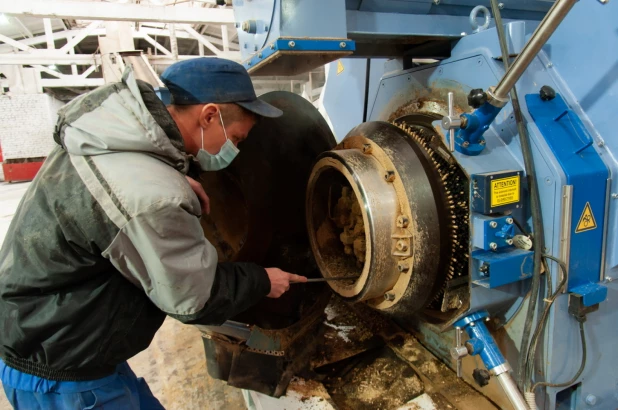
<point>106,241</point>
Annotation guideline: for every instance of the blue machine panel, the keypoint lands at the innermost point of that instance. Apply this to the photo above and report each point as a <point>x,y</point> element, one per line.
<point>488,230</point>
<point>496,268</point>
<point>585,171</point>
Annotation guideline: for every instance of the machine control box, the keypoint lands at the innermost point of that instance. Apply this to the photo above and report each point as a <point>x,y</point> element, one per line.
<point>496,192</point>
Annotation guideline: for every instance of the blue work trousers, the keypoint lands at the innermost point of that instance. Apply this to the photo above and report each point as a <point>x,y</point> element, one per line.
<point>122,390</point>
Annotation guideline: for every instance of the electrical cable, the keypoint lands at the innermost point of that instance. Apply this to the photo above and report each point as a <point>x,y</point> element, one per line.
<point>535,202</point>
<point>544,316</point>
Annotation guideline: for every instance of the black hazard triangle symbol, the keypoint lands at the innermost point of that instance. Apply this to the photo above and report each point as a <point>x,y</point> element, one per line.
<point>586,221</point>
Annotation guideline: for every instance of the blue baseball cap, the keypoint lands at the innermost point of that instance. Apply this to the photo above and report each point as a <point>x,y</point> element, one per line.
<point>214,80</point>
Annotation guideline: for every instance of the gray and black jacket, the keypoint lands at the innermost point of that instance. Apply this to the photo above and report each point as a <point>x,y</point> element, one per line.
<point>107,241</point>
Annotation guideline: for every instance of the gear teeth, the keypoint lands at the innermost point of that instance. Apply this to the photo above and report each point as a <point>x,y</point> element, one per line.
<point>455,185</point>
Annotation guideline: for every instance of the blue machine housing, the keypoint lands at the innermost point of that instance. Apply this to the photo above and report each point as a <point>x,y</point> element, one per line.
<point>574,146</point>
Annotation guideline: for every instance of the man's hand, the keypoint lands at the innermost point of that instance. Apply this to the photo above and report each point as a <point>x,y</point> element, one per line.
<point>280,281</point>
<point>201,195</point>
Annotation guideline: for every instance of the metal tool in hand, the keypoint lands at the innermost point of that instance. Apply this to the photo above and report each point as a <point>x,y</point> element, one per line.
<point>329,279</point>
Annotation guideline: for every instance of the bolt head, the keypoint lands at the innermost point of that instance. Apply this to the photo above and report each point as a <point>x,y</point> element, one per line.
<point>402,221</point>
<point>259,55</point>
<point>482,142</point>
<point>500,6</point>
<point>493,246</point>
<point>509,221</point>
<point>614,196</point>
<point>389,296</point>
<point>342,44</point>
<point>465,144</point>
<point>367,149</point>
<point>509,242</point>
<point>272,46</point>
<point>591,399</point>
<point>403,267</point>
<point>436,2</point>
<point>493,224</point>
<point>292,44</point>
<point>389,176</point>
<point>608,279</point>
<point>402,246</point>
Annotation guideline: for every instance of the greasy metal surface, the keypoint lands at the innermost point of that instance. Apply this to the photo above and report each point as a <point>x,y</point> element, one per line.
<point>257,215</point>
<point>365,176</point>
<point>437,245</point>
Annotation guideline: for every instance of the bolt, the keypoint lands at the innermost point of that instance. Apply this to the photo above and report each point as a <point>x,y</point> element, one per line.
<point>259,55</point>
<point>292,44</point>
<point>272,46</point>
<point>465,144</point>
<point>601,143</point>
<point>493,224</point>
<point>389,296</point>
<point>342,44</point>
<point>614,196</point>
<point>550,65</point>
<point>436,2</point>
<point>402,246</point>
<point>367,148</point>
<point>500,6</point>
<point>591,399</point>
<point>509,242</point>
<point>608,279</point>
<point>403,267</point>
<point>389,176</point>
<point>402,221</point>
<point>509,221</point>
<point>482,142</point>
<point>487,319</point>
<point>493,246</point>
<point>472,324</point>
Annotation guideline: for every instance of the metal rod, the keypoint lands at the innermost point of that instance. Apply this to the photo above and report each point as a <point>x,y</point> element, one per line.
<point>329,279</point>
<point>458,343</point>
<point>547,27</point>
<point>512,392</point>
<point>451,113</point>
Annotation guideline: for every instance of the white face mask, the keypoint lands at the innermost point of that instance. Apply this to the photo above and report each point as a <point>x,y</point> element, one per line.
<point>227,153</point>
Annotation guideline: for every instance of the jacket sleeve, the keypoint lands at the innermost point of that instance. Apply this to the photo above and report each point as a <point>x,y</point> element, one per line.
<point>162,249</point>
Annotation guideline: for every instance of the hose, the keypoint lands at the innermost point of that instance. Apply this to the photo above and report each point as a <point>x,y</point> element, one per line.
<point>535,204</point>
<point>530,400</point>
<point>582,334</point>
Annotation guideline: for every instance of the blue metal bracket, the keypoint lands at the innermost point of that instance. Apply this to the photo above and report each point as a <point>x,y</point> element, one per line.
<point>503,266</point>
<point>571,143</point>
<point>469,140</point>
<point>481,342</point>
<point>336,47</point>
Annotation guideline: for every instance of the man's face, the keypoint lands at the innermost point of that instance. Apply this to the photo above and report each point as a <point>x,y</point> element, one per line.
<point>237,130</point>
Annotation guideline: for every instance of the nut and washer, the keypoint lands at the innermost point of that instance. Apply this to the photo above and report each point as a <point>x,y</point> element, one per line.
<point>342,44</point>
<point>401,245</point>
<point>509,221</point>
<point>402,221</point>
<point>509,242</point>
<point>389,296</point>
<point>493,224</point>
<point>493,246</point>
<point>465,144</point>
<point>389,176</point>
<point>292,44</point>
<point>367,149</point>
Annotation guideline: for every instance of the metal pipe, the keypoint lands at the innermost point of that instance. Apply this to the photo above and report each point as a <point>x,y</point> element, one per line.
<point>512,392</point>
<point>547,27</point>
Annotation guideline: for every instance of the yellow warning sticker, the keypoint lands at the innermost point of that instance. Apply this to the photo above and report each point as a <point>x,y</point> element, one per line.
<point>586,221</point>
<point>505,191</point>
<point>340,67</point>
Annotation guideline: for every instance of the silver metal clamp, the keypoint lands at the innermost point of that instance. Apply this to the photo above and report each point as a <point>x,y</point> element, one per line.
<point>451,122</point>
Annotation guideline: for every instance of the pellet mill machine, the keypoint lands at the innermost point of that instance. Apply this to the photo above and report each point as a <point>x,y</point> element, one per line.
<point>456,188</point>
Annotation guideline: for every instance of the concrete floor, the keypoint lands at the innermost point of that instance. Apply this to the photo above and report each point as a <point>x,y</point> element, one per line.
<point>174,365</point>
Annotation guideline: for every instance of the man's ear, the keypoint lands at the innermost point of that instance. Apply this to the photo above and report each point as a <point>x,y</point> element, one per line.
<point>209,115</point>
